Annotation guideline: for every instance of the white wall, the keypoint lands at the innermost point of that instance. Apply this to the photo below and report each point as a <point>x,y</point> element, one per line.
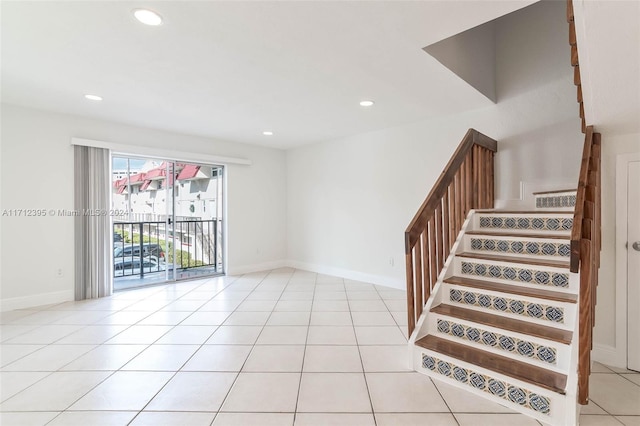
<point>350,200</point>
<point>37,173</point>
<point>610,333</point>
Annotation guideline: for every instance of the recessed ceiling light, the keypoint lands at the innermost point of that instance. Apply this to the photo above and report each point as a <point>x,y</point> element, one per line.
<point>93,97</point>
<point>267,133</point>
<point>148,17</point>
<point>366,103</point>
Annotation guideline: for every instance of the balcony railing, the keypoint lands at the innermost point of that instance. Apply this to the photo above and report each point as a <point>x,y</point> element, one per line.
<point>148,246</point>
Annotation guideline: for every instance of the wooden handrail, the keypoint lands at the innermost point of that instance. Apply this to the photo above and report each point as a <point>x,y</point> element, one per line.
<point>585,252</point>
<point>465,183</point>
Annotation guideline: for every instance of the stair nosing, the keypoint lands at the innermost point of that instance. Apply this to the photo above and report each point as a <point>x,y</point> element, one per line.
<point>519,290</point>
<point>513,259</point>
<point>569,212</point>
<point>506,323</point>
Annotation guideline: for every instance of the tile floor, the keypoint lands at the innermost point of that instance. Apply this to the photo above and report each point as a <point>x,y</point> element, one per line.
<point>282,347</point>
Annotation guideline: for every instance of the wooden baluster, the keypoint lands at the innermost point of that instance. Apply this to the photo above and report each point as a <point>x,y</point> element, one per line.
<point>476,176</point>
<point>411,324</point>
<point>419,301</point>
<point>439,251</point>
<point>463,193</point>
<point>452,213</point>
<point>585,326</point>
<point>459,208</point>
<point>433,261</point>
<point>468,183</point>
<point>445,224</point>
<point>426,283</point>
<point>492,182</point>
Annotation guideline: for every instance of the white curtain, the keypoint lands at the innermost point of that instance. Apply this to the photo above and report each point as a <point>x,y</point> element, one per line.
<point>93,232</point>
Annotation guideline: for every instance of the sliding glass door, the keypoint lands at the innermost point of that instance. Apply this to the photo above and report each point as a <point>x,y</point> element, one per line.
<point>168,222</point>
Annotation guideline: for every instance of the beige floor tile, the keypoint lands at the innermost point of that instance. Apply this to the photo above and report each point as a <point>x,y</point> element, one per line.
<point>330,306</point>
<point>332,359</point>
<point>218,358</point>
<point>93,334</point>
<point>254,419</point>
<point>368,306</point>
<point>44,334</point>
<point>331,318</point>
<point>331,335</point>
<point>123,391</point>
<point>329,295</point>
<point>300,296</point>
<point>13,382</point>
<point>635,378</point>
<point>334,419</point>
<point>235,335</point>
<point>396,305</point>
<point>147,418</point>
<point>263,392</point>
<point>93,418</point>
<point>105,357</point>
<point>257,306</point>
<point>460,401</point>
<point>362,295</point>
<point>55,392</point>
<point>289,318</point>
<point>26,419</point>
<point>594,420</point>
<point>385,358</point>
<point>9,331</point>
<point>380,336</point>
<point>387,294</point>
<point>185,305</point>
<point>496,420</point>
<point>333,393</point>
<point>140,335</point>
<point>293,306</point>
<point>49,358</point>
<point>404,393</point>
<point>615,394</point>
<point>372,318</point>
<point>161,358</point>
<point>247,318</point>
<point>400,318</point>
<point>220,306</point>
<point>206,318</point>
<point>165,318</point>
<point>11,353</point>
<point>283,335</point>
<point>596,367</point>
<point>264,295</point>
<point>83,317</point>
<point>279,358</point>
<point>629,420</point>
<point>123,318</point>
<point>190,391</point>
<point>591,408</point>
<point>187,335</point>
<point>416,419</point>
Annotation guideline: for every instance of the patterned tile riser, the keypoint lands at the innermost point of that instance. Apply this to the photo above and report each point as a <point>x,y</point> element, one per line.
<point>521,247</point>
<point>498,388</point>
<point>510,273</point>
<point>503,304</point>
<point>527,223</point>
<point>556,201</point>
<point>499,341</point>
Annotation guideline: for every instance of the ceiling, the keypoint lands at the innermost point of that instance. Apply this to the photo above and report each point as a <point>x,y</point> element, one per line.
<point>231,70</point>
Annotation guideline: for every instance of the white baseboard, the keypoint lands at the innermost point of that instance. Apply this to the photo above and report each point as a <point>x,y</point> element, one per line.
<point>348,274</point>
<point>256,267</point>
<point>36,300</point>
<point>609,355</point>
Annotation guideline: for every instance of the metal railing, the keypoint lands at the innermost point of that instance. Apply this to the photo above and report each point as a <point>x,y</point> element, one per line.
<point>153,246</point>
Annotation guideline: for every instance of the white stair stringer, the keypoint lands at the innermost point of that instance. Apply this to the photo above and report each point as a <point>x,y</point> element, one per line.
<point>541,297</point>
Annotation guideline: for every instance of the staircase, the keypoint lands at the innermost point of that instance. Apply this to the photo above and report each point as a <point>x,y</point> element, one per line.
<point>502,319</point>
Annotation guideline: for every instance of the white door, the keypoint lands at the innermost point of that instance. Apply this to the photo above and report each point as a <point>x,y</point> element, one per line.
<point>633,264</point>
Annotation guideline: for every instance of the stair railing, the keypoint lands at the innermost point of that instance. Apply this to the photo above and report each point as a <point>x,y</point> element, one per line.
<point>585,252</point>
<point>467,182</point>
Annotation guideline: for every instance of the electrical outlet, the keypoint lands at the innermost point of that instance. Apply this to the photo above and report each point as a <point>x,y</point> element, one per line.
<point>392,261</point>
<point>59,272</point>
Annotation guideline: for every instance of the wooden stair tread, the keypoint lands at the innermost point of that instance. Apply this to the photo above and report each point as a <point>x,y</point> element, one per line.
<point>526,211</point>
<point>557,191</point>
<point>497,233</point>
<point>519,370</point>
<point>504,323</point>
<point>514,289</point>
<point>513,259</point>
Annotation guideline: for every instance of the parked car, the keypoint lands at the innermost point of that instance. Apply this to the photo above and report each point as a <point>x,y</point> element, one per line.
<point>148,249</point>
<point>134,265</point>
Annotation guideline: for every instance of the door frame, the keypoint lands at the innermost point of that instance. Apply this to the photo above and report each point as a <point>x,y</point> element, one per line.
<point>622,290</point>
